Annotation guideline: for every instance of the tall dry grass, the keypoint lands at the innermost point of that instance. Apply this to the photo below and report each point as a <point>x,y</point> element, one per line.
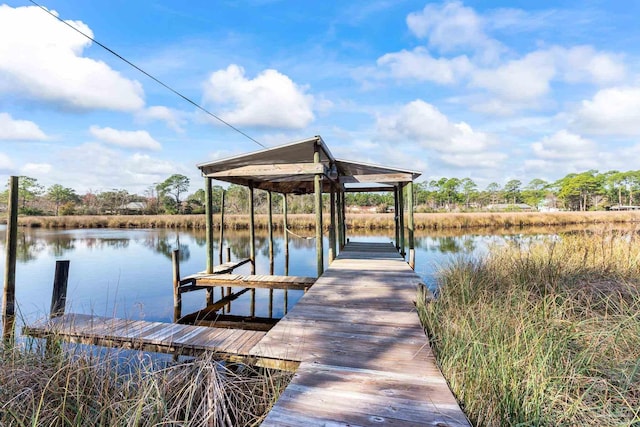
<point>543,334</point>
<point>423,221</point>
<point>86,389</point>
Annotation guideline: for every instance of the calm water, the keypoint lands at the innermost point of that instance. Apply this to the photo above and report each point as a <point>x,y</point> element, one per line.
<point>127,273</point>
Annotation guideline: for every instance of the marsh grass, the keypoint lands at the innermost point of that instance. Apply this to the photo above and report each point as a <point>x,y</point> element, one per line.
<point>88,389</point>
<point>546,333</point>
<point>423,221</point>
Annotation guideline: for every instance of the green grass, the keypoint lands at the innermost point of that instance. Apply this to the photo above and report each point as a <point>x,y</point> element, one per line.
<point>83,389</point>
<point>546,333</point>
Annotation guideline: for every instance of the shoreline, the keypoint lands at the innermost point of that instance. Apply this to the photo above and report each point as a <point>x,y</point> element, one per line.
<point>423,221</point>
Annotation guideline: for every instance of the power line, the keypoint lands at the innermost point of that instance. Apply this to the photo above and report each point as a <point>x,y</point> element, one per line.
<point>166,86</point>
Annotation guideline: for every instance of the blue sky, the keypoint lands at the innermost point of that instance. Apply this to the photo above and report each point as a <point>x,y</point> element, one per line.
<point>490,90</point>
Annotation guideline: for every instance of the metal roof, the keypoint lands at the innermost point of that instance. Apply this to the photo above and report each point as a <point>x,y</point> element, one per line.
<point>290,168</point>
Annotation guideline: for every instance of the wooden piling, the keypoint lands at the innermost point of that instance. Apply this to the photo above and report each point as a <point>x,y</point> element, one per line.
<point>9,306</point>
<point>317,187</point>
<point>208,211</point>
<point>221,239</point>
<point>59,295</point>
<point>340,202</point>
<point>286,233</point>
<point>177,296</point>
<point>270,230</point>
<point>412,251</point>
<point>332,224</point>
<point>228,254</point>
<point>344,218</point>
<point>252,230</point>
<point>401,217</point>
<point>396,216</point>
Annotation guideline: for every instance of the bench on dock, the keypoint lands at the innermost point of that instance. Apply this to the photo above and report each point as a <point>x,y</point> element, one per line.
<point>231,344</point>
<point>224,268</point>
<point>253,281</point>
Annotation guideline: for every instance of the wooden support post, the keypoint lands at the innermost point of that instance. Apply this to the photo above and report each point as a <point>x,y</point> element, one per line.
<point>253,303</point>
<point>229,290</point>
<point>59,295</point>
<point>9,300</point>
<point>344,218</point>
<point>340,201</point>
<point>285,231</point>
<point>228,254</point>
<point>221,239</point>
<point>401,217</point>
<point>270,303</point>
<point>270,230</point>
<point>412,251</point>
<point>396,216</point>
<point>317,187</point>
<point>332,225</point>
<point>252,230</point>
<point>286,301</point>
<point>177,296</point>
<point>208,211</point>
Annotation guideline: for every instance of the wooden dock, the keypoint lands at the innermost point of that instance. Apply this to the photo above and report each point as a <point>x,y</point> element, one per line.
<point>354,339</point>
<point>231,344</point>
<point>364,357</point>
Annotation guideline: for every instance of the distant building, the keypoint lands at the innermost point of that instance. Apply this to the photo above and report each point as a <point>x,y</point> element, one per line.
<point>624,208</point>
<point>520,207</point>
<point>133,208</point>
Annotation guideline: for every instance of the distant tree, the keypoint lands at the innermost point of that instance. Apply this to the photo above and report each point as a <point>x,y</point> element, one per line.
<point>175,186</point>
<point>512,191</point>
<point>113,200</point>
<point>469,189</point>
<point>534,192</point>
<point>60,195</point>
<point>494,192</point>
<point>28,190</point>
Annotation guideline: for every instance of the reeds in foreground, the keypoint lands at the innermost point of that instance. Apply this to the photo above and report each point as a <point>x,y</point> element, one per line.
<point>89,390</point>
<point>543,334</point>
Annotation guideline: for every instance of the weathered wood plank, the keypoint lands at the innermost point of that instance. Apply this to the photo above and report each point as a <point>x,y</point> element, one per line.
<point>365,359</point>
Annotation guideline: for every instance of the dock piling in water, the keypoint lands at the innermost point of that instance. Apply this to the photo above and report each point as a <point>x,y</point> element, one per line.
<point>59,294</point>
<point>9,300</point>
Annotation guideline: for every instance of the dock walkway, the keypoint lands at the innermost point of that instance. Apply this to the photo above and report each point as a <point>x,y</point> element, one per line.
<point>364,358</point>
<point>354,340</point>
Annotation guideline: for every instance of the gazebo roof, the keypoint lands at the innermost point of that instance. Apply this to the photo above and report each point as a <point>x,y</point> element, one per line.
<point>290,168</point>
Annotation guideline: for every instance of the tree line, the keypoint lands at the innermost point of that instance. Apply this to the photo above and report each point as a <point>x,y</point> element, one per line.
<point>590,190</point>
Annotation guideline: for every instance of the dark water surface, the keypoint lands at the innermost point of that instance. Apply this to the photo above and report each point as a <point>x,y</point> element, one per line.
<point>128,272</point>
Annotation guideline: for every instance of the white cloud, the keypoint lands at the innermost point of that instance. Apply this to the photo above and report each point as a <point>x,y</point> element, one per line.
<point>271,99</point>
<point>451,26</point>
<point>423,123</point>
<point>418,64</point>
<point>173,118</point>
<point>111,168</point>
<point>129,139</point>
<point>614,111</point>
<point>519,80</point>
<point>584,64</point>
<point>6,165</point>
<point>36,169</point>
<point>563,145</point>
<point>21,130</point>
<point>486,160</point>
<point>41,58</point>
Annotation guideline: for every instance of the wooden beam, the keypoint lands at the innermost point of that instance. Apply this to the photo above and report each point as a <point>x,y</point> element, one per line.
<point>59,295</point>
<point>285,231</point>
<point>221,239</point>
<point>401,217</point>
<point>274,169</point>
<point>270,229</point>
<point>382,177</point>
<point>369,189</point>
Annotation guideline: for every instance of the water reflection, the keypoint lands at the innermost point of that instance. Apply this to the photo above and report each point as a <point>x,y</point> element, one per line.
<point>127,273</point>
